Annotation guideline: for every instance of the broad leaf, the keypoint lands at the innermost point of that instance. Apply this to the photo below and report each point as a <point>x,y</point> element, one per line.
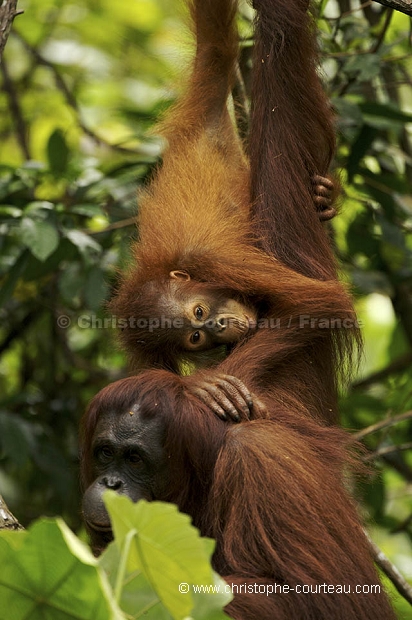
<point>160,549</point>
<point>84,243</point>
<point>39,236</point>
<point>48,574</point>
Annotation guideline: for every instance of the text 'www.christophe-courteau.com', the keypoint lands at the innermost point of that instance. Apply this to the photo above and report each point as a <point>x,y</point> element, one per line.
<point>277,588</point>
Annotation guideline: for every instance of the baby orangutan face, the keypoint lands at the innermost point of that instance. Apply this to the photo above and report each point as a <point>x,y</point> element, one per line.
<point>210,317</point>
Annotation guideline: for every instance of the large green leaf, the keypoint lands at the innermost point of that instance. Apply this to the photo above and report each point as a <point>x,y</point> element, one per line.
<point>48,574</point>
<point>159,549</point>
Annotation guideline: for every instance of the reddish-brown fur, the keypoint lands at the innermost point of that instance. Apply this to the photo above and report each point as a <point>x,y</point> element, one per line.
<point>291,138</point>
<point>270,492</point>
<point>196,216</point>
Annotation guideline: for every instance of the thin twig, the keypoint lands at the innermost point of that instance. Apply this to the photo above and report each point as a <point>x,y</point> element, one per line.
<point>382,424</point>
<point>130,221</point>
<point>403,587</point>
<point>383,32</point>
<point>376,454</point>
<point>356,9</point>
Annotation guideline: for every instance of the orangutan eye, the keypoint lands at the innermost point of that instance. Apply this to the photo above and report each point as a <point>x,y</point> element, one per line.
<point>195,337</point>
<point>134,457</point>
<point>198,313</point>
<point>103,454</point>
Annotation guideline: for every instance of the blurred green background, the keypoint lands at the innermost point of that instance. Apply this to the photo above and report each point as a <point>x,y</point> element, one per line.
<point>83,81</point>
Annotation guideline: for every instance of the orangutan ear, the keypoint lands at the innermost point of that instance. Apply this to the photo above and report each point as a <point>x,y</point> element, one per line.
<point>179,275</point>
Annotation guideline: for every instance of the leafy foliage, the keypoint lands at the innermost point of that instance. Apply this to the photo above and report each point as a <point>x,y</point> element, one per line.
<point>82,85</point>
<point>49,573</point>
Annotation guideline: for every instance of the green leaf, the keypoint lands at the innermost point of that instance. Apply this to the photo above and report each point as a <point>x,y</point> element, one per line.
<point>322,7</point>
<point>160,548</point>
<point>360,237</point>
<point>40,237</point>
<point>48,574</point>
<point>39,208</point>
<point>393,245</point>
<point>348,110</point>
<point>65,253</point>
<point>392,234</point>
<point>16,439</point>
<point>71,284</point>
<point>372,282</point>
<point>364,67</point>
<point>359,149</point>
<point>7,211</point>
<point>387,111</point>
<point>57,152</point>
<point>87,246</point>
<point>373,494</point>
<point>96,288</point>
<point>89,210</point>
<point>13,277</point>
<point>137,594</point>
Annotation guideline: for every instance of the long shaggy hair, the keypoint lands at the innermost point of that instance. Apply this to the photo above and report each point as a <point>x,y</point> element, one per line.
<point>253,231</point>
<point>270,491</point>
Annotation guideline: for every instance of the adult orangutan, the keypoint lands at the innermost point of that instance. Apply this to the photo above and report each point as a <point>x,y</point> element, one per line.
<point>270,491</point>
<point>216,267</point>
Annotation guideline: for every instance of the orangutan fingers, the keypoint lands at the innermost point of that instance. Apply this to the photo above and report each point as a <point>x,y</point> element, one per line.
<point>238,399</point>
<point>327,214</point>
<point>323,182</point>
<point>210,401</point>
<point>240,389</point>
<point>218,394</point>
<point>322,201</point>
<point>323,195</point>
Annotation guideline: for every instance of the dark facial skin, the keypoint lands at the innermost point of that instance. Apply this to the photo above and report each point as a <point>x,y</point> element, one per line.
<point>128,457</point>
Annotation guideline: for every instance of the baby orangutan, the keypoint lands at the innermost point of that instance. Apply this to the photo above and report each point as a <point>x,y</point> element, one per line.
<point>205,282</point>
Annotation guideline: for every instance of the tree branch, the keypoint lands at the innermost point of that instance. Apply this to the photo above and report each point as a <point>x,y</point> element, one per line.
<point>382,424</point>
<point>403,6</point>
<point>381,452</point>
<point>7,520</point>
<point>7,14</point>
<point>391,572</point>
